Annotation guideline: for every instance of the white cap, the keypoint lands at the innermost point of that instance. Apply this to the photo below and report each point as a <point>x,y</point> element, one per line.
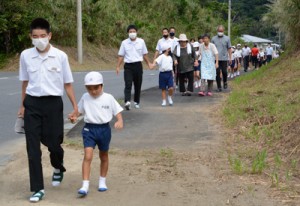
<point>164,47</point>
<point>93,78</point>
<point>196,44</point>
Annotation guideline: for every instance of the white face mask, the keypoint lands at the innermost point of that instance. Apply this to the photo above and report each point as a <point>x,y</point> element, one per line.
<point>41,43</point>
<point>220,33</point>
<point>132,35</point>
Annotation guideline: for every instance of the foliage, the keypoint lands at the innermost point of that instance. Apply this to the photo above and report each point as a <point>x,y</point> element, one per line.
<point>104,22</point>
<point>285,16</point>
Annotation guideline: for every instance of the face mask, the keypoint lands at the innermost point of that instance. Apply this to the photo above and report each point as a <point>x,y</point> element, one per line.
<point>172,34</point>
<point>165,36</point>
<point>220,33</point>
<point>132,35</point>
<point>41,43</point>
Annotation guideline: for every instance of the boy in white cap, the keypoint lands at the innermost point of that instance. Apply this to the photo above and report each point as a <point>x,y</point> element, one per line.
<point>98,108</point>
<point>166,76</point>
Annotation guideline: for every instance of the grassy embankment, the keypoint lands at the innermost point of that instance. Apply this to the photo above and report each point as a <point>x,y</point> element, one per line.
<point>263,112</point>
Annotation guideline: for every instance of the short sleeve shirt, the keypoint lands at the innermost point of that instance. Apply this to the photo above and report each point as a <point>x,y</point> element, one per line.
<point>98,110</point>
<point>46,75</point>
<point>222,44</point>
<point>160,44</point>
<point>246,51</point>
<point>254,51</point>
<point>269,50</point>
<point>165,63</point>
<point>133,51</point>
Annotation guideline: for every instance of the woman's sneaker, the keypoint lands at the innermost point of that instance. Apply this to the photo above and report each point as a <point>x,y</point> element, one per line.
<point>209,94</point>
<point>201,94</point>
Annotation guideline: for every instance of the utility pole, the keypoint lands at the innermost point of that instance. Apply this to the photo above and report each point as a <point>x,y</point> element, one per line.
<point>229,18</point>
<point>79,31</point>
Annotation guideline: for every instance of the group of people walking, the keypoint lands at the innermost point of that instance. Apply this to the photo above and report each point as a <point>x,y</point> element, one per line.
<point>45,74</point>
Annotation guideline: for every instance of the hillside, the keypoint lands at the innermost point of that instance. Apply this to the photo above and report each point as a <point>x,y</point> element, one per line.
<point>263,113</point>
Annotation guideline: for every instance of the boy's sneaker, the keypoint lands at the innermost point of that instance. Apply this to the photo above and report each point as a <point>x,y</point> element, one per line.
<point>82,192</point>
<point>136,105</point>
<point>170,100</point>
<point>231,76</point>
<point>238,73</point>
<point>201,94</point>
<point>57,178</point>
<point>234,74</point>
<point>102,185</point>
<point>196,85</point>
<point>37,196</point>
<point>127,105</point>
<point>209,94</point>
<point>164,103</point>
<point>228,75</point>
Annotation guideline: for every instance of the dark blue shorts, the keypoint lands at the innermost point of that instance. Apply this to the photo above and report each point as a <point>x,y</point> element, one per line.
<point>198,67</point>
<point>232,64</point>
<point>166,80</point>
<point>96,134</point>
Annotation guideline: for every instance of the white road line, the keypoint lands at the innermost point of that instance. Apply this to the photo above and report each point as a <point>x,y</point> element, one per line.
<point>3,78</point>
<point>14,93</point>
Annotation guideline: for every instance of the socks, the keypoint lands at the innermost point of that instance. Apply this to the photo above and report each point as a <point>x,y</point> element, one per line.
<point>102,184</point>
<point>85,187</point>
<point>56,171</point>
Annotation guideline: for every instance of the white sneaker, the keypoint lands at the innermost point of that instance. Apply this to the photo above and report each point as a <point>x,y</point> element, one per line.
<point>170,100</point>
<point>127,105</point>
<point>228,76</point>
<point>164,103</point>
<point>196,85</point>
<point>238,73</point>
<point>136,105</point>
<point>234,74</point>
<point>231,75</point>
<point>199,83</point>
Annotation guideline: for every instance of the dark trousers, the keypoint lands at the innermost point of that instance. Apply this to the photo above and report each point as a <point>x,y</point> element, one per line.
<point>222,68</point>
<point>133,73</point>
<point>246,63</point>
<point>43,123</point>
<point>254,61</point>
<point>269,58</point>
<point>190,78</point>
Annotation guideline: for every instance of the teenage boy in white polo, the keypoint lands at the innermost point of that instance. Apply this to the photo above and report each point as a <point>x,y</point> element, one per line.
<point>45,73</point>
<point>163,42</point>
<point>133,50</point>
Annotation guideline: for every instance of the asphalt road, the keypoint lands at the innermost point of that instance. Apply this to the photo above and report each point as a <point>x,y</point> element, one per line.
<point>10,92</point>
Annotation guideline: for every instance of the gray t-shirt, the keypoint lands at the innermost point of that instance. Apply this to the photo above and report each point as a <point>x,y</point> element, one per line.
<point>222,44</point>
<point>185,61</point>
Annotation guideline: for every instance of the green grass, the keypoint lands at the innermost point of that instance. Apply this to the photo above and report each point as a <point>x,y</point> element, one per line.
<point>261,108</point>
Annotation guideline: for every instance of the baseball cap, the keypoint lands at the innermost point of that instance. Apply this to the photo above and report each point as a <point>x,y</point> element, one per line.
<point>93,78</point>
<point>196,44</point>
<point>165,47</point>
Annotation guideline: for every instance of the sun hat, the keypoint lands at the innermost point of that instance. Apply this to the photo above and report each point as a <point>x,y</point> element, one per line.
<point>182,37</point>
<point>165,47</point>
<point>93,78</point>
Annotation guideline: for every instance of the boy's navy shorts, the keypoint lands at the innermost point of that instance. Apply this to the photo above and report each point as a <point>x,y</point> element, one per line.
<point>96,134</point>
<point>198,67</point>
<point>166,80</point>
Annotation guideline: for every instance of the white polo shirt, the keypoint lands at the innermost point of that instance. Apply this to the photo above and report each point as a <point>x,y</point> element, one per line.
<point>133,51</point>
<point>174,43</point>
<point>269,50</point>
<point>46,75</point>
<point>98,110</point>
<point>238,53</point>
<point>162,42</point>
<point>246,51</point>
<point>165,63</point>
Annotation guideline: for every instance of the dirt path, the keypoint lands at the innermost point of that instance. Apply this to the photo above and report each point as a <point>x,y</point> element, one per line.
<point>164,156</point>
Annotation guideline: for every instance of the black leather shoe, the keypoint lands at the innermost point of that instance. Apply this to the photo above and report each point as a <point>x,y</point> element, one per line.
<point>225,85</point>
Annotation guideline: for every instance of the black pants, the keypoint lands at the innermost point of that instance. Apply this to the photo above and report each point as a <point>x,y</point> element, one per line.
<point>222,68</point>
<point>246,63</point>
<point>269,58</point>
<point>133,73</point>
<point>254,61</point>
<point>190,78</point>
<point>43,122</point>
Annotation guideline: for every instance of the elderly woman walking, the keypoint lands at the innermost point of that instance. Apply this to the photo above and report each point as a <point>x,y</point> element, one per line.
<point>209,64</point>
<point>185,58</point>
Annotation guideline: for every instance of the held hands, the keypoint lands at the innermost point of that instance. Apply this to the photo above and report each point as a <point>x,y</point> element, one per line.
<point>175,62</point>
<point>73,116</point>
<point>152,66</point>
<point>118,70</point>
<point>119,124</point>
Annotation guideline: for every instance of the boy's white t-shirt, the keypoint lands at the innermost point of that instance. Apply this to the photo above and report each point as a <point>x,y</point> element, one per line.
<point>98,110</point>
<point>165,63</point>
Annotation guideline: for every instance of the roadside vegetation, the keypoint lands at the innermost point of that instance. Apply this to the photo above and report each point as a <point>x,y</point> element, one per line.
<point>263,111</point>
